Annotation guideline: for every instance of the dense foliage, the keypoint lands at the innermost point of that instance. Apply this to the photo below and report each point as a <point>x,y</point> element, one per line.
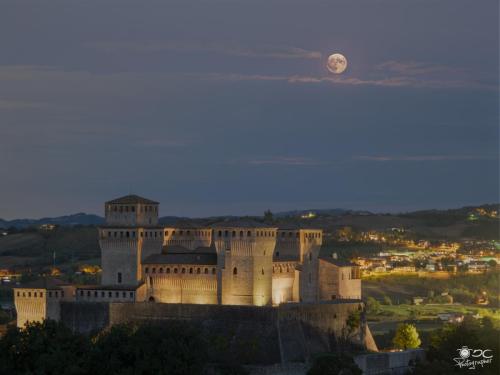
<point>51,348</point>
<point>333,365</point>
<point>446,342</point>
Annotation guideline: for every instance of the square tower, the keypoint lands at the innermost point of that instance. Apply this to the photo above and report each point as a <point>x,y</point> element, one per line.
<point>130,234</point>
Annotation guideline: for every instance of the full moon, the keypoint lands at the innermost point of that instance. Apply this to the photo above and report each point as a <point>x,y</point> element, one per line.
<point>337,63</point>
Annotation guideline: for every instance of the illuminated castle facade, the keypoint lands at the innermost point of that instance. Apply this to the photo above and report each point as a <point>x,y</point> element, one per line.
<point>228,263</point>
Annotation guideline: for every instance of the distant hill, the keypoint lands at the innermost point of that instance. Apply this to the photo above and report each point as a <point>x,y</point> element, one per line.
<point>323,212</point>
<point>68,220</point>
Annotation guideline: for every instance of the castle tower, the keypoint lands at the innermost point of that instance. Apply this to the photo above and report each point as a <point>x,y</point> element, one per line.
<point>244,256</point>
<point>130,234</point>
<point>303,246</point>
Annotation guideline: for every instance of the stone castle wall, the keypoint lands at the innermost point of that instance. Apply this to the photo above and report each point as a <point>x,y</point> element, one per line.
<point>183,288</point>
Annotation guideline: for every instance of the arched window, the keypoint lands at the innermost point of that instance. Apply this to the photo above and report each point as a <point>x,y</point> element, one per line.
<point>235,271</point>
<point>154,269</point>
<point>168,270</point>
<point>241,233</point>
<point>234,233</point>
<point>150,281</point>
<point>226,233</point>
<point>249,234</point>
<point>183,270</point>
<point>161,269</point>
<point>206,270</point>
<point>175,270</point>
<point>213,271</point>
<point>191,270</point>
<point>220,233</point>
<point>146,270</point>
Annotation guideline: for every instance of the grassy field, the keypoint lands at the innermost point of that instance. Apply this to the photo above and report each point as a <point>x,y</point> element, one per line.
<point>36,248</point>
<point>430,312</point>
<point>463,287</point>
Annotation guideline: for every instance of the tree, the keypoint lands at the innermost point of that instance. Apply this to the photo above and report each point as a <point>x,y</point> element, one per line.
<point>268,216</point>
<point>334,365</point>
<point>446,341</point>
<point>170,348</point>
<point>406,337</point>
<point>387,300</point>
<point>43,348</point>
<point>372,305</point>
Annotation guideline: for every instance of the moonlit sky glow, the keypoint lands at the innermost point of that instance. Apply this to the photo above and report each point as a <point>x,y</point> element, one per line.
<point>227,107</point>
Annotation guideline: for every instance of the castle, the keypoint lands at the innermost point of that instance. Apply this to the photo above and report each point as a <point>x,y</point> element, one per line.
<point>228,263</point>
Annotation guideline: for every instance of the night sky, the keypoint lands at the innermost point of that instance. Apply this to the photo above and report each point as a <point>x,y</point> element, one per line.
<point>226,107</point>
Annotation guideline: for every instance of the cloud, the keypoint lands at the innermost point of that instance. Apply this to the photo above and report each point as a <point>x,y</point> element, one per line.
<point>277,52</point>
<point>388,158</point>
<point>284,160</point>
<point>21,105</point>
<point>396,81</point>
<point>414,68</point>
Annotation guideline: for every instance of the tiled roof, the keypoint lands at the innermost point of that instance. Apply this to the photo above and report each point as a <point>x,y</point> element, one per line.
<point>242,224</point>
<point>131,199</point>
<point>337,262</point>
<point>45,283</point>
<point>286,258</point>
<point>180,255</point>
<point>110,287</point>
